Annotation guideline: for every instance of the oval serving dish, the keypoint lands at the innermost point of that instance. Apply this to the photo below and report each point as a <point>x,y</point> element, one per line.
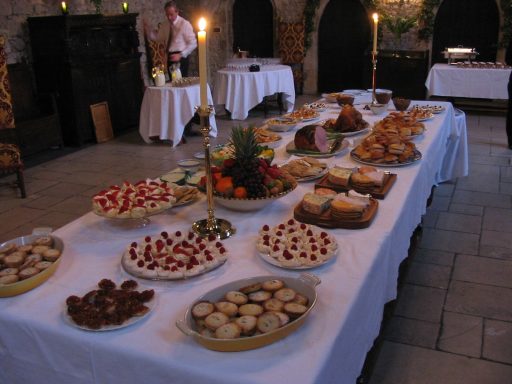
<point>32,282</point>
<point>305,285</point>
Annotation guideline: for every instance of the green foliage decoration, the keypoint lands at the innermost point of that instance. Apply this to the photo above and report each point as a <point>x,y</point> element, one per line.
<point>426,18</point>
<point>506,28</point>
<point>309,21</point>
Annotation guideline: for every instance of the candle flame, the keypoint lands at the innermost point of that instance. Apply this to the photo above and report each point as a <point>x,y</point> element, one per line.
<point>375,17</point>
<point>202,24</point>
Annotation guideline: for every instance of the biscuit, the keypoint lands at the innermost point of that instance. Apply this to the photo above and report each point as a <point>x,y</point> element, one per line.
<point>28,272</point>
<point>40,249</point>
<point>267,322</point>
<point>300,299</point>
<point>272,285</point>
<point>236,297</point>
<point>250,309</point>
<point>201,309</point>
<point>51,254</point>
<point>226,307</point>
<point>215,320</point>
<point>9,271</point>
<point>43,265</point>
<point>15,259</point>
<point>228,331</point>
<point>283,318</point>
<point>295,309</point>
<point>247,323</point>
<point>251,288</point>
<point>44,240</point>
<point>8,279</point>
<point>285,294</point>
<point>260,296</point>
<point>273,304</point>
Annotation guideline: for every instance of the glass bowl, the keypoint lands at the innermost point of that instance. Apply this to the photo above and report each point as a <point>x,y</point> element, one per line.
<point>378,109</point>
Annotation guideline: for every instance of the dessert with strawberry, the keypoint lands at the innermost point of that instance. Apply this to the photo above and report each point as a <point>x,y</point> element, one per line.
<point>173,255</point>
<point>133,200</point>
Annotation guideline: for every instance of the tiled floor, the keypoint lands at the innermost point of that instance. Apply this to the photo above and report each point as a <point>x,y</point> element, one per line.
<point>453,318</point>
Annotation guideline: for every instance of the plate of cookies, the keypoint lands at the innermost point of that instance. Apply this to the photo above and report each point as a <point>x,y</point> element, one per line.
<point>126,306</point>
<point>28,261</point>
<point>295,245</point>
<point>250,313</point>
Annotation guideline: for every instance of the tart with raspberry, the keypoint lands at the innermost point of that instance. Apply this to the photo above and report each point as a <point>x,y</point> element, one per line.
<point>173,255</point>
<point>133,201</point>
<point>295,245</point>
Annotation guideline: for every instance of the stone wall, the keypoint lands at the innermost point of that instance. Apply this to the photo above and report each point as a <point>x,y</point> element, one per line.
<point>13,15</point>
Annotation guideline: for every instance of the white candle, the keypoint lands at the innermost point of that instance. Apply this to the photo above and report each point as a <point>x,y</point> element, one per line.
<point>375,28</point>
<point>125,7</point>
<point>201,38</point>
<point>64,7</point>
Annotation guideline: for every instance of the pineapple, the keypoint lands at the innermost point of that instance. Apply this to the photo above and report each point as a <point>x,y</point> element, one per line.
<point>244,167</point>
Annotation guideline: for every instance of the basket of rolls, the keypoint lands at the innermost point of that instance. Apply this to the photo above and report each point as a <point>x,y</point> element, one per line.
<point>250,313</point>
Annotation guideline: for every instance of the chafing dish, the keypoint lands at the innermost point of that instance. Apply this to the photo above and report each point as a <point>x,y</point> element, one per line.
<point>459,53</point>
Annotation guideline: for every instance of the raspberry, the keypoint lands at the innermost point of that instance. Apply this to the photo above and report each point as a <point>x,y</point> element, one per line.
<point>199,240</point>
<point>195,251</point>
<point>167,268</point>
<point>133,245</point>
<point>323,251</point>
<point>202,246</point>
<point>281,226</point>
<point>209,257</point>
<point>303,226</point>
<point>327,241</point>
<point>147,239</point>
<point>277,241</point>
<point>323,235</point>
<point>140,263</point>
<point>294,247</point>
<point>133,252</point>
<point>191,235</point>
<point>194,261</point>
<point>168,241</point>
<point>312,240</point>
<point>147,253</point>
<point>185,243</point>
<point>303,254</point>
<point>313,257</point>
<point>133,257</point>
<point>180,264</point>
<point>148,258</point>
<point>279,233</point>
<point>151,266</point>
<point>314,248</point>
<point>207,252</point>
<point>170,260</point>
<point>287,255</point>
<point>266,242</point>
<point>218,244</point>
<point>222,250</point>
<point>164,235</point>
<point>266,237</point>
<point>178,233</point>
<point>190,266</point>
<point>212,237</point>
<point>291,222</point>
<point>309,232</point>
<point>266,228</point>
<point>295,239</point>
<point>147,247</point>
<point>291,230</point>
<point>174,268</point>
<point>159,245</point>
<point>275,248</point>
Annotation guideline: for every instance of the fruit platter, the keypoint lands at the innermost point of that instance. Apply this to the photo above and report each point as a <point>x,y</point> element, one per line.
<point>246,181</point>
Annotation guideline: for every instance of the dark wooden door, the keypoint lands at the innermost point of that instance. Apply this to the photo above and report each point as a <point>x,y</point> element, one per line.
<point>470,23</point>
<point>253,29</point>
<point>343,37</point>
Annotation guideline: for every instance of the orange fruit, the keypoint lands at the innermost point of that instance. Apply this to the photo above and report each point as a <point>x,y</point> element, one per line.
<point>224,186</point>
<point>240,193</point>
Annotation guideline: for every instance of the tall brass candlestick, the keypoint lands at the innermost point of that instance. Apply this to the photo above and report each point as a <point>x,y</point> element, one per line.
<point>374,77</point>
<point>210,226</point>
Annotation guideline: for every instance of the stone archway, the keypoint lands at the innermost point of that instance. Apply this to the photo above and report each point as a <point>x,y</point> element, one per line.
<point>471,23</point>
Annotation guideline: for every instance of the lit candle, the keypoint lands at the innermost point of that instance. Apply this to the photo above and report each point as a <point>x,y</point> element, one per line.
<point>201,38</point>
<point>125,7</point>
<point>64,7</point>
<point>375,27</point>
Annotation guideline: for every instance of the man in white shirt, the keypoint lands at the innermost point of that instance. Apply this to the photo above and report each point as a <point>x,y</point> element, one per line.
<point>178,35</point>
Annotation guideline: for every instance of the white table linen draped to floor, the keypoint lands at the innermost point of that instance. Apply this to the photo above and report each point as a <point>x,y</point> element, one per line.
<point>453,81</point>
<point>166,110</point>
<point>330,347</point>
<point>239,91</point>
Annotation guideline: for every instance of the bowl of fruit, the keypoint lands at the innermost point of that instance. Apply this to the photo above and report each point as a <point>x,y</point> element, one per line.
<point>245,181</point>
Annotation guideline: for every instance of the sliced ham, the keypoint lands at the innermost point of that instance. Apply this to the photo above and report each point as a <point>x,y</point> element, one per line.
<point>311,138</point>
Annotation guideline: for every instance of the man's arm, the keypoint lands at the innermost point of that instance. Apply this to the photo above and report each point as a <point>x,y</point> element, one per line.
<point>190,39</point>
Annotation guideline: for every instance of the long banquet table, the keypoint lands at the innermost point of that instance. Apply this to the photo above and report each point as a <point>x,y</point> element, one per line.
<point>239,91</point>
<point>453,81</point>
<point>36,342</point>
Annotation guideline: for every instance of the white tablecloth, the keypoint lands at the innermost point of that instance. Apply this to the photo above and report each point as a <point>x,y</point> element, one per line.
<point>331,346</point>
<point>166,110</point>
<point>241,91</point>
<point>452,81</point>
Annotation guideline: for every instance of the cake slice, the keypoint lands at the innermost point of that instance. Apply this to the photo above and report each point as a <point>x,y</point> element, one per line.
<point>315,204</point>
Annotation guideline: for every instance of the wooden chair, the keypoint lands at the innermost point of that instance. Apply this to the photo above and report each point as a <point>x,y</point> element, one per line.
<point>10,162</point>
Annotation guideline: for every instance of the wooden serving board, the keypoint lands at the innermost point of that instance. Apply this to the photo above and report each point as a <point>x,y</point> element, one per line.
<point>377,192</point>
<point>327,221</point>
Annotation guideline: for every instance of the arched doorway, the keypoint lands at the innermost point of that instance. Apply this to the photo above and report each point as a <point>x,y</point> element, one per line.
<point>343,38</point>
<point>471,23</point>
<point>253,29</point>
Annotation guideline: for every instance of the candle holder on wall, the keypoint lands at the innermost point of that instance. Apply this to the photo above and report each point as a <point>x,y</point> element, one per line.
<point>374,77</point>
<point>210,226</point>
